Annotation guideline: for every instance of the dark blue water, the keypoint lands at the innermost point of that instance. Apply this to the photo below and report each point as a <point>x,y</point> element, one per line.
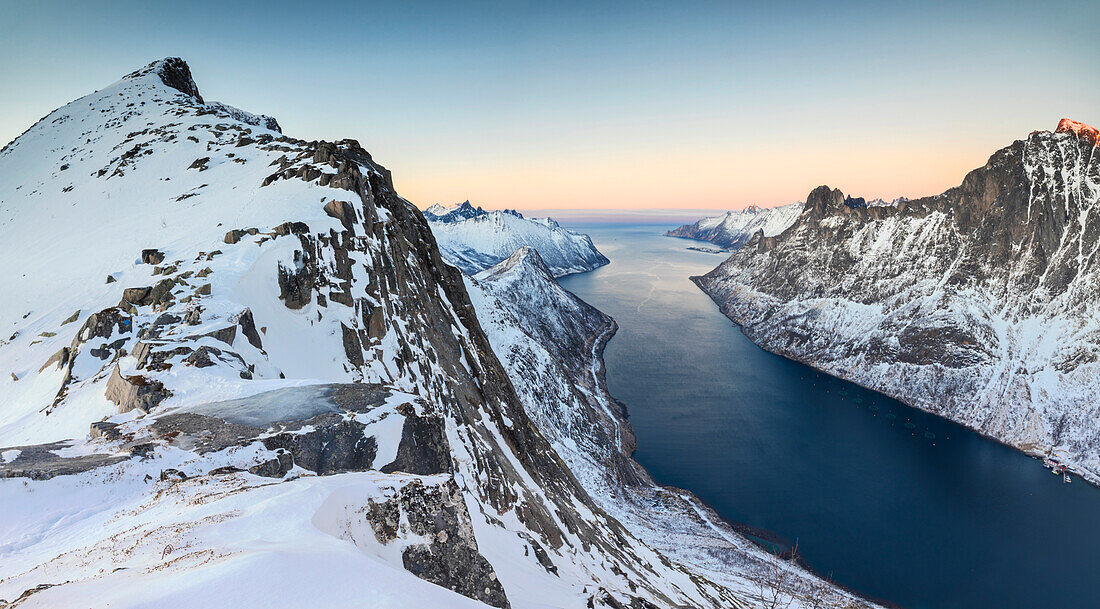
<point>893,502</point>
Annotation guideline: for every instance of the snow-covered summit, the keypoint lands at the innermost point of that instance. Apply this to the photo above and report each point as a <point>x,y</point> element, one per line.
<point>474,239</point>
<point>236,370</point>
<point>734,228</point>
<point>1086,132</point>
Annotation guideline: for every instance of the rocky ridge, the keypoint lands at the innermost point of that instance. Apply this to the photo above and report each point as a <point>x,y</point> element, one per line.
<point>282,382</point>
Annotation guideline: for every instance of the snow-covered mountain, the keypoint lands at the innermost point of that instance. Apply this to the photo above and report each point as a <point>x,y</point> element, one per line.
<point>981,304</point>
<point>474,239</point>
<point>733,229</point>
<point>239,373</point>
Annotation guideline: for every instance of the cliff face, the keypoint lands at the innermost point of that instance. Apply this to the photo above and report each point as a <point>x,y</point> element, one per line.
<point>979,304</point>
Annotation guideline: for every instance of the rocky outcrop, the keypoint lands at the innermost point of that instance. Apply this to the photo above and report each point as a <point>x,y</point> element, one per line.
<point>173,72</point>
<point>451,559</point>
<point>976,304</point>
<point>135,392</point>
<point>342,211</point>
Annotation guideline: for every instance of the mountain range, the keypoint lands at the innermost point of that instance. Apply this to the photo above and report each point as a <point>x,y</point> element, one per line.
<point>735,228</point>
<point>474,239</point>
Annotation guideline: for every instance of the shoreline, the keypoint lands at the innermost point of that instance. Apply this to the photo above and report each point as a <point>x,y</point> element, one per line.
<point>1093,481</point>
<point>757,536</point>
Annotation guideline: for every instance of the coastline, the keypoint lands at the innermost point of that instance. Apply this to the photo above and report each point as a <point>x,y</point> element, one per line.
<point>1072,468</point>
<point>765,540</point>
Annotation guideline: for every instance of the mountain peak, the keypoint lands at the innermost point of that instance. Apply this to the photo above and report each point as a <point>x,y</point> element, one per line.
<point>822,200</point>
<point>1086,132</point>
<point>174,72</point>
<point>462,211</point>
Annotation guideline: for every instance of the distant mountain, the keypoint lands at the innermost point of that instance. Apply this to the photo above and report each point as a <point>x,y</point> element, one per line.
<point>981,304</point>
<point>474,239</point>
<point>734,228</point>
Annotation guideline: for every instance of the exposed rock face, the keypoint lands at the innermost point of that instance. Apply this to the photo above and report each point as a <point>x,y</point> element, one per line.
<point>735,228</point>
<point>134,392</point>
<point>173,72</point>
<point>342,211</point>
<point>451,559</point>
<point>977,304</point>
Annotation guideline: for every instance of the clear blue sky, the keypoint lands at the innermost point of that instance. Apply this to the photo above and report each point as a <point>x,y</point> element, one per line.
<point>631,104</point>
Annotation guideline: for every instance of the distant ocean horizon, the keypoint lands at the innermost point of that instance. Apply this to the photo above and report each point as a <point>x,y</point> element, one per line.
<point>623,216</point>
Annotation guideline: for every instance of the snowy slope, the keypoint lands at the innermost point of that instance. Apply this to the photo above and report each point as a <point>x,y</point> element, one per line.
<point>237,372</point>
<point>551,343</point>
<point>981,304</point>
<point>734,228</point>
<point>474,239</point>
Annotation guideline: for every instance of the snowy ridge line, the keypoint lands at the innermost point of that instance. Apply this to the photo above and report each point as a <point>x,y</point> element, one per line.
<point>474,239</point>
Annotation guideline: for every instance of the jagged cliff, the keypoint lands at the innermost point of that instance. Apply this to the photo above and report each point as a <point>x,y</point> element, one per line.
<point>979,304</point>
<point>240,373</point>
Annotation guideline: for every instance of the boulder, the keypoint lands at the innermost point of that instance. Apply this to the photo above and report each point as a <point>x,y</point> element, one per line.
<point>59,359</point>
<point>342,211</point>
<point>152,256</point>
<point>137,296</point>
<point>105,430</point>
<point>135,392</point>
<point>291,228</point>
<point>274,468</point>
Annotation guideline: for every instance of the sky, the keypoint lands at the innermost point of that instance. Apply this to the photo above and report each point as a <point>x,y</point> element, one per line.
<point>617,105</point>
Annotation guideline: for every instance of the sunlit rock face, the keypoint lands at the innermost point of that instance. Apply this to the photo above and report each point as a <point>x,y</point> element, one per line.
<point>979,304</point>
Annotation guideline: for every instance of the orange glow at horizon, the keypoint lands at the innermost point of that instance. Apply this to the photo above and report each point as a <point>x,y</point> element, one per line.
<point>703,180</point>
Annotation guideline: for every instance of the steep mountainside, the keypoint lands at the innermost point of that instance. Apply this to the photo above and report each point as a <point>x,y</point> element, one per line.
<point>551,343</point>
<point>734,228</point>
<point>239,373</point>
<point>979,304</point>
<point>474,239</point>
